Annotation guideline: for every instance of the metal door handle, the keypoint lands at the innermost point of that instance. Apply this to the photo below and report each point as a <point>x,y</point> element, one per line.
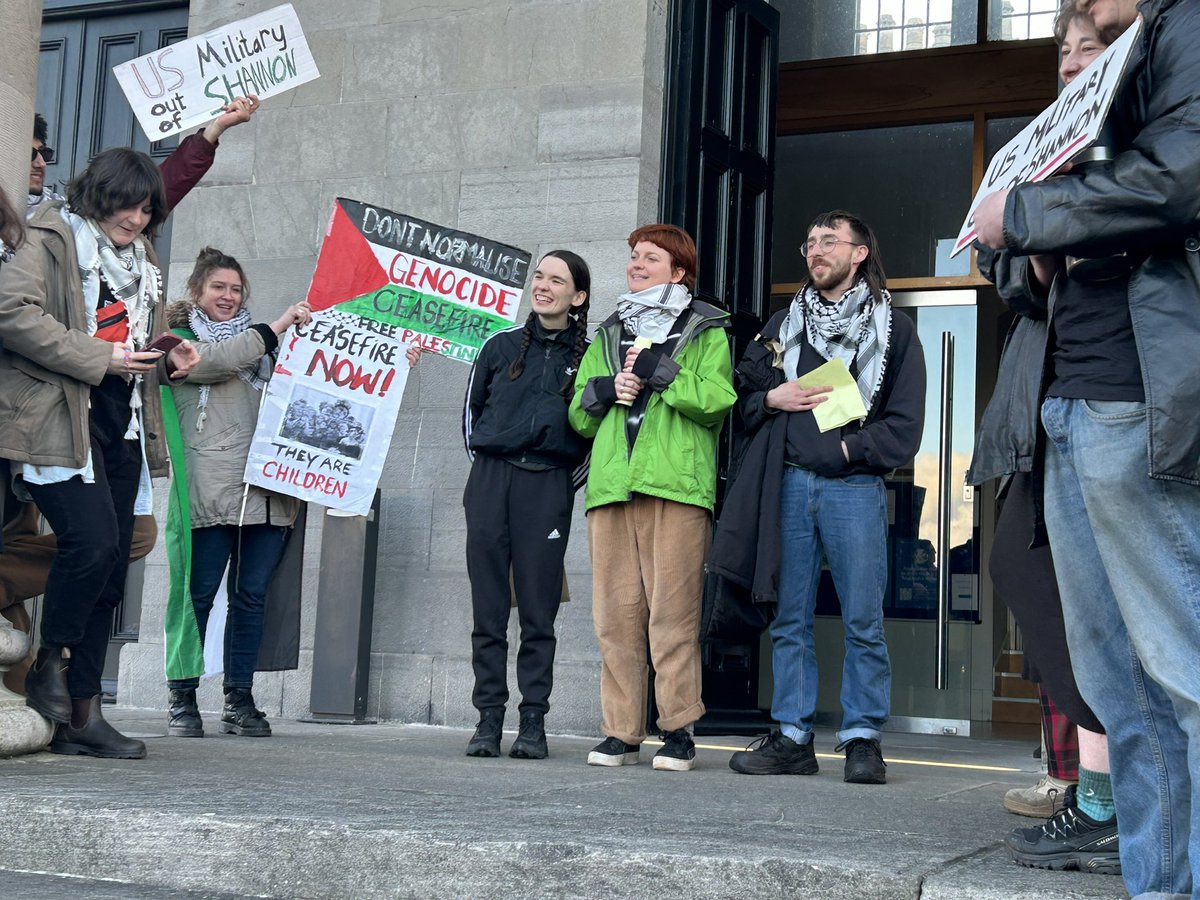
<point>945,448</point>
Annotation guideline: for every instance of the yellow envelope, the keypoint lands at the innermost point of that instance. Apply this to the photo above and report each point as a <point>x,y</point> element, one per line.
<point>843,404</point>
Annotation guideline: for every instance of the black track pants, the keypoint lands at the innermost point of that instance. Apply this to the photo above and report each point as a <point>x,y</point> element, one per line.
<point>520,520</point>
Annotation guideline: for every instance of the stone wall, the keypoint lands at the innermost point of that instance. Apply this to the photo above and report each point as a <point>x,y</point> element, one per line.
<point>533,122</point>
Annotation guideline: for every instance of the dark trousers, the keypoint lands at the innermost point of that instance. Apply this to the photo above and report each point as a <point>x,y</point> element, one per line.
<point>93,525</point>
<point>517,521</point>
<point>1025,580</point>
<point>251,553</point>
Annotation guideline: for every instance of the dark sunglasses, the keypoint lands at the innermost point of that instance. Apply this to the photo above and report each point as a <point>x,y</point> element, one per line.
<point>47,154</point>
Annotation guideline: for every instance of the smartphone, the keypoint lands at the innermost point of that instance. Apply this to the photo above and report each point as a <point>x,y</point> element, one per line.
<point>164,343</point>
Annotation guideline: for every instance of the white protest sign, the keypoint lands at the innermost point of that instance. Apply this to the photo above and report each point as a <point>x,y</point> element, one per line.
<point>187,83</point>
<point>329,412</point>
<point>1069,125</point>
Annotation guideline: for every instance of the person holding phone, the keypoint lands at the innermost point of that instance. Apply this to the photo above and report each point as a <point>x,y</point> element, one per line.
<point>75,308</point>
<point>227,524</point>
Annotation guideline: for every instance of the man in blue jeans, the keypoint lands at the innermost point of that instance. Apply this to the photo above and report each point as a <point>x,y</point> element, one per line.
<point>828,487</point>
<point>1122,418</point>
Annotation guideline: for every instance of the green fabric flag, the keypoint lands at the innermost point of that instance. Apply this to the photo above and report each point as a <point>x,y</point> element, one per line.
<point>184,650</point>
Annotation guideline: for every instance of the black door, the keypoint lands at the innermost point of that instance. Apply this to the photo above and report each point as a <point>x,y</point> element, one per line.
<point>87,112</point>
<point>718,159</point>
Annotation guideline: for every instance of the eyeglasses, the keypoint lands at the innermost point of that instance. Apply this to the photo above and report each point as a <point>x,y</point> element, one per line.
<point>46,153</point>
<point>825,245</point>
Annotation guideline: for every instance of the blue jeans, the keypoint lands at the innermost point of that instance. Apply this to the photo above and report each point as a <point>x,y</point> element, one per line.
<point>847,519</point>
<point>1127,550</point>
<point>251,560</point>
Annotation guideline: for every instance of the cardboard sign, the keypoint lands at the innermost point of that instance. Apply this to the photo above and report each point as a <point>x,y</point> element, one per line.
<point>187,83</point>
<point>1069,125</point>
<point>445,290</point>
<point>329,412</point>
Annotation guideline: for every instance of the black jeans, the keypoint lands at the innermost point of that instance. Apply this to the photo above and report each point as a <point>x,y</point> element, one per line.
<point>517,521</point>
<point>93,524</point>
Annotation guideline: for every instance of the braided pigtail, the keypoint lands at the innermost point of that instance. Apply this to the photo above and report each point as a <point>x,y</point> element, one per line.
<point>581,343</point>
<point>517,366</point>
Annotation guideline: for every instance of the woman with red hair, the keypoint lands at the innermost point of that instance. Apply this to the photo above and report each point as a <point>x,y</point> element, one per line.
<point>653,391</point>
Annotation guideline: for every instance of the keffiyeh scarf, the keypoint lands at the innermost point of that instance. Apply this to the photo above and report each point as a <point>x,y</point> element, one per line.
<point>651,313</point>
<point>130,276</point>
<point>856,328</point>
<point>255,374</point>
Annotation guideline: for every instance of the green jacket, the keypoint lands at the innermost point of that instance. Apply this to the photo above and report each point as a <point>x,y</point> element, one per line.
<point>675,454</point>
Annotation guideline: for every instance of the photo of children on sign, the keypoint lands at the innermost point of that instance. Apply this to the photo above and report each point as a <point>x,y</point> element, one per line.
<point>383,281</point>
<point>326,422</point>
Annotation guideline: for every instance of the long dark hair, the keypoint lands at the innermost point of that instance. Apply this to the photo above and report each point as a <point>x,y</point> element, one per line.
<point>581,275</point>
<point>208,261</point>
<point>118,179</point>
<point>870,268</point>
<point>12,225</point>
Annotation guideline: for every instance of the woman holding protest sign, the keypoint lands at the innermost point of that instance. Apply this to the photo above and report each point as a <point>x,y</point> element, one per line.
<point>526,464</point>
<point>653,390</point>
<point>215,522</point>
<point>1076,793</point>
<point>75,420</point>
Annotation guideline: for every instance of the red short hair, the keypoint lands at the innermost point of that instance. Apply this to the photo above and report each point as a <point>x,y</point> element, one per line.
<point>678,244</point>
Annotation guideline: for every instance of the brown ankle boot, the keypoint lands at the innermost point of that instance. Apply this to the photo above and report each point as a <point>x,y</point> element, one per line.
<point>88,734</point>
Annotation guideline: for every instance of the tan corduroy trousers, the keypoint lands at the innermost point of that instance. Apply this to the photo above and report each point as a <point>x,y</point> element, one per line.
<point>647,580</point>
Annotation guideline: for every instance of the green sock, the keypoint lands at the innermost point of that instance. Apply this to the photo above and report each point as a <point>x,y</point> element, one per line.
<point>1094,795</point>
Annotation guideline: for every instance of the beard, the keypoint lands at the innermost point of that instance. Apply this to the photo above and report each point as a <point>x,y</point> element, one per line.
<point>835,274</point>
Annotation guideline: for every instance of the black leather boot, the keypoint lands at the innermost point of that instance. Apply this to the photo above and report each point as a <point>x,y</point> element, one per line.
<point>241,717</point>
<point>88,734</point>
<point>486,740</point>
<point>46,685</point>
<point>183,716</point>
<point>531,739</point>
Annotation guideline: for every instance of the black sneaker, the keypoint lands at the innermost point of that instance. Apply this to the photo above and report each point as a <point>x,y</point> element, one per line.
<point>678,753</point>
<point>531,739</point>
<point>775,754</point>
<point>486,739</point>
<point>1069,839</point>
<point>864,762</point>
<point>614,752</point>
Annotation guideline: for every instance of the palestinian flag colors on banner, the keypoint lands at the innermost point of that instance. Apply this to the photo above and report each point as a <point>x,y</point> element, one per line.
<point>443,289</point>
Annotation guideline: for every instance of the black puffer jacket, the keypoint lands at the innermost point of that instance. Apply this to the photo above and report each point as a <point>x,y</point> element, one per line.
<point>523,419</point>
<point>1145,201</point>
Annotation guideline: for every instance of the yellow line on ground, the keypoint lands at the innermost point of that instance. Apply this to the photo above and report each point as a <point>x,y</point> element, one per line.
<point>930,763</point>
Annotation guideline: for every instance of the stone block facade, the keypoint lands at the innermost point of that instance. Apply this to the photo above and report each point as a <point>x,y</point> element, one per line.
<point>533,122</point>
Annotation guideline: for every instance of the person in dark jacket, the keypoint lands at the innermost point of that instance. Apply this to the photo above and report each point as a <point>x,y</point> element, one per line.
<point>1122,469</point>
<point>830,492</point>
<point>1010,445</point>
<point>526,462</point>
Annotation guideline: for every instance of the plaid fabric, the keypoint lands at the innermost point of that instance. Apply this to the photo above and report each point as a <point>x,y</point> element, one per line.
<point>1061,739</point>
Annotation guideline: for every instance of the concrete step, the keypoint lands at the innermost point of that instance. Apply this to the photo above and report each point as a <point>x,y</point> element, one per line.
<point>399,811</point>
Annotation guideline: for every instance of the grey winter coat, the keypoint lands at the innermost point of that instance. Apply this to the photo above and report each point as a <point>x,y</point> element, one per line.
<point>216,455</point>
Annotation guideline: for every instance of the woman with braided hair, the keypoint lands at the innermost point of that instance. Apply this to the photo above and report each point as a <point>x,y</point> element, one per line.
<point>527,462</point>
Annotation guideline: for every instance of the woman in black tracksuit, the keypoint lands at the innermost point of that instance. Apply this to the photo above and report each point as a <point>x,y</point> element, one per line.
<point>526,464</point>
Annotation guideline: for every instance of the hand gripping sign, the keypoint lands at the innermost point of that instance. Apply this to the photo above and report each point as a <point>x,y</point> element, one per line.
<point>187,83</point>
<point>383,280</point>
<point>1061,131</point>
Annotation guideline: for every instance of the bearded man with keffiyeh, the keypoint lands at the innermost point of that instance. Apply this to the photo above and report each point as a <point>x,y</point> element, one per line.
<point>77,398</point>
<point>802,494</point>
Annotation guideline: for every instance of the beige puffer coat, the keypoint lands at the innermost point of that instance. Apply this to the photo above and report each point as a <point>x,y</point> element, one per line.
<point>216,455</point>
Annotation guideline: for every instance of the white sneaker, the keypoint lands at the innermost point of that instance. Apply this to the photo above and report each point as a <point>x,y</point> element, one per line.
<point>1041,801</point>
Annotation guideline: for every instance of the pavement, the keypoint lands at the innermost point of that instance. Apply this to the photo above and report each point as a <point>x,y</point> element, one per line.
<point>390,811</point>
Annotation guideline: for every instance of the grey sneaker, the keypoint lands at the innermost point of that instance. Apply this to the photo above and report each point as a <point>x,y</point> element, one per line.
<point>1041,801</point>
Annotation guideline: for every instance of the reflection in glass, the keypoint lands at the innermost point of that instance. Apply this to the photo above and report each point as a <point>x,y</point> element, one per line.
<point>833,28</point>
<point>912,185</point>
<point>1020,20</point>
